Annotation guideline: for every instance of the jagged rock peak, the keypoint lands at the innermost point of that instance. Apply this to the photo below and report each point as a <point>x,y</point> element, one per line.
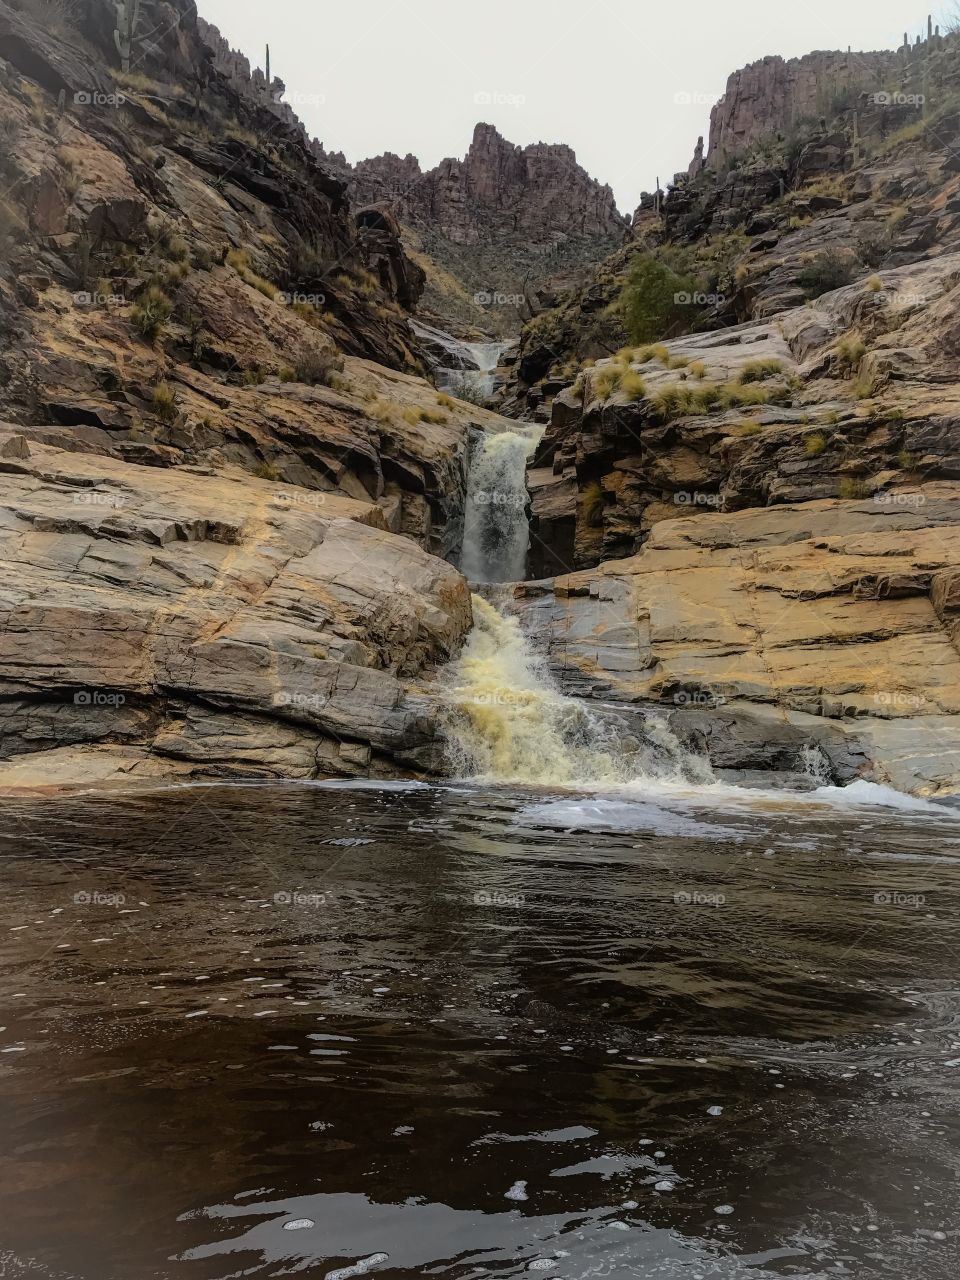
<point>538,193</point>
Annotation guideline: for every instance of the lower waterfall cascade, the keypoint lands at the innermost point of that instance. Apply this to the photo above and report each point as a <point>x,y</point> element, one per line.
<point>509,723</point>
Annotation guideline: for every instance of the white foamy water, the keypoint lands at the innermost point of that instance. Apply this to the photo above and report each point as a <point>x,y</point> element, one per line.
<point>496,532</point>
<point>511,724</point>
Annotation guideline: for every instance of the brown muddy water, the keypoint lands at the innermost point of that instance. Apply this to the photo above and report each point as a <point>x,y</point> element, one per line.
<point>463,1032</point>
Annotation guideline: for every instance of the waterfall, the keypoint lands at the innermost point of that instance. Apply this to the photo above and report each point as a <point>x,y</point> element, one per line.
<point>508,722</point>
<point>480,382</point>
<point>496,532</point>
<point>464,369</point>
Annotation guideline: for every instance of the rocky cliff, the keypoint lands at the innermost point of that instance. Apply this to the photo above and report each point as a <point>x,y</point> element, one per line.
<point>498,224</point>
<point>776,95</point>
<point>221,477</point>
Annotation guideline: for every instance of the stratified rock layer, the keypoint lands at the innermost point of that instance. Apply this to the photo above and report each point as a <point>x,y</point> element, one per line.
<point>766,633</point>
<point>170,622</point>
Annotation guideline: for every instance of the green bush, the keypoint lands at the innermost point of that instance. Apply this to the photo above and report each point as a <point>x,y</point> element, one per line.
<point>649,301</point>
<point>151,312</point>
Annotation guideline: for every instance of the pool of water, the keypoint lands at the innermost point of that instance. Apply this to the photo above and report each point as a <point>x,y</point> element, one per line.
<point>452,1031</point>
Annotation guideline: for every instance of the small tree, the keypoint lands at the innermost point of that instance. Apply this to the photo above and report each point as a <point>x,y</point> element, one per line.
<point>657,302</point>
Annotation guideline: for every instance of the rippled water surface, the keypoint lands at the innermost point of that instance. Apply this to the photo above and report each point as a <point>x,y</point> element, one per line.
<point>277,1030</point>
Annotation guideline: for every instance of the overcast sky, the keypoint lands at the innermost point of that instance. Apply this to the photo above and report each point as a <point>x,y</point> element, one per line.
<point>608,77</point>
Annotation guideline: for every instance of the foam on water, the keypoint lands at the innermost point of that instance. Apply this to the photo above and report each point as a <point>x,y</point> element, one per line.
<point>510,723</point>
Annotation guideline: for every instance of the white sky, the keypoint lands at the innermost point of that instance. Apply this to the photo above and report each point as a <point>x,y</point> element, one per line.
<point>601,75</point>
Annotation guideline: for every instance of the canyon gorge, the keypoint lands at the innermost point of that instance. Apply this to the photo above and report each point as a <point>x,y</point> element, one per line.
<point>253,450</point>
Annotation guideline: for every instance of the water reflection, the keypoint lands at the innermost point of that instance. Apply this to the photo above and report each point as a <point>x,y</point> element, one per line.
<point>273,1029</point>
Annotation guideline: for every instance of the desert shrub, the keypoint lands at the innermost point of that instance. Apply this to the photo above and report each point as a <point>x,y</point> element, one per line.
<point>853,487</point>
<point>164,401</point>
<point>815,444</point>
<point>239,259</point>
<point>591,504</point>
<point>266,471</point>
<point>760,370</point>
<point>873,245</point>
<point>827,270</point>
<point>649,300</point>
<point>151,312</point>
<point>697,370</point>
<point>445,401</point>
<point>605,382</point>
<point>747,428</point>
<point>632,385</point>
<point>850,351</point>
<point>317,367</point>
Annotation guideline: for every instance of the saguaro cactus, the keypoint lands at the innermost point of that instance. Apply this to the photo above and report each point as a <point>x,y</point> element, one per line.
<point>128,13</point>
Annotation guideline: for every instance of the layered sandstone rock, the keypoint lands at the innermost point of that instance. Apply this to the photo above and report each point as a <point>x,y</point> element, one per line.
<point>185,623</point>
<point>765,634</point>
<point>857,394</point>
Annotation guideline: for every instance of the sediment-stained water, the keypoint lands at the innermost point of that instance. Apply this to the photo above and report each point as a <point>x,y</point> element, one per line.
<point>466,1031</point>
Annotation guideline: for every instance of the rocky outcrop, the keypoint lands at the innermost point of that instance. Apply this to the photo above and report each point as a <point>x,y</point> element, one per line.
<point>147,180</point>
<point>538,194</point>
<point>494,229</point>
<point>775,95</point>
<point>855,394</point>
<point>827,626</point>
<point>180,622</point>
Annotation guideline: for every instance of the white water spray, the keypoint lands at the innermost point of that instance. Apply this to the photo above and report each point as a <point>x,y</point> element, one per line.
<point>496,532</point>
<point>509,723</point>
